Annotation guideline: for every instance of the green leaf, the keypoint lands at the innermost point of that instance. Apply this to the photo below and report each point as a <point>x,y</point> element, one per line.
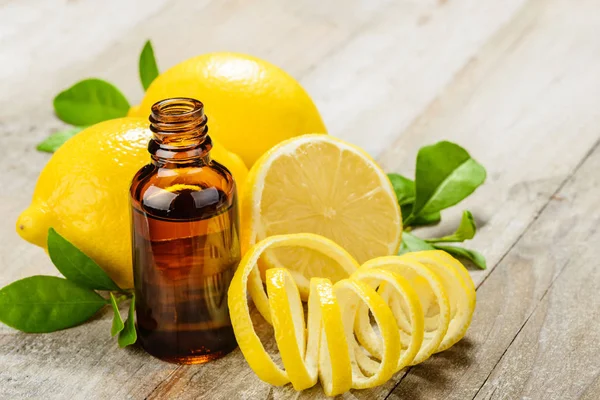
<point>474,256</point>
<point>427,219</point>
<point>445,175</point>
<point>404,188</point>
<point>465,231</point>
<point>55,140</point>
<point>405,193</point>
<point>128,335</point>
<point>412,243</point>
<point>117,322</point>
<point>405,210</point>
<point>421,220</point>
<point>46,304</point>
<point>75,265</point>
<point>90,101</point>
<point>147,65</point>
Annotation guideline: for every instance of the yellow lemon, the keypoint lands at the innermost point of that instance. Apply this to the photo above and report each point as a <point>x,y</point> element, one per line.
<point>134,111</point>
<point>251,104</point>
<point>298,342</point>
<point>323,185</point>
<point>83,192</point>
<point>421,302</point>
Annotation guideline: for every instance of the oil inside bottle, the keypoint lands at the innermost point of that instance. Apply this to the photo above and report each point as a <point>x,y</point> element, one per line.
<point>186,250</point>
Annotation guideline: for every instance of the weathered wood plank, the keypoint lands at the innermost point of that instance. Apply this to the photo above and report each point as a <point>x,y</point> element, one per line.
<point>106,42</point>
<point>509,303</point>
<point>554,355</point>
<point>375,86</point>
<point>521,107</point>
<point>540,55</point>
<point>510,57</point>
<point>79,364</point>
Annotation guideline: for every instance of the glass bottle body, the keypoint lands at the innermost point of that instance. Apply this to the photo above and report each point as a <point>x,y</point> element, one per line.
<point>185,251</point>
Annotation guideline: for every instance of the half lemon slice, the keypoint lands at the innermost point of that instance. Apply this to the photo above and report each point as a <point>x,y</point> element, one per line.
<point>323,185</point>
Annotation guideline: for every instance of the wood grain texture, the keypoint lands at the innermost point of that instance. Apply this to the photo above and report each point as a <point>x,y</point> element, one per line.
<point>523,297</point>
<point>517,107</point>
<point>553,355</point>
<point>374,86</point>
<point>509,295</point>
<point>510,80</point>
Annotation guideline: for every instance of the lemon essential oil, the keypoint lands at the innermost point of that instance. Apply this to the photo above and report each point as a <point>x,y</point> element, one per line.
<point>185,228</point>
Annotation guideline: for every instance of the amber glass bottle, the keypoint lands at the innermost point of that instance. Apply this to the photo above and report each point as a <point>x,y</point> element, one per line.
<point>185,239</point>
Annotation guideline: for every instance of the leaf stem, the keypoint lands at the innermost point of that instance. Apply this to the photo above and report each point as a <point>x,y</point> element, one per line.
<point>122,298</point>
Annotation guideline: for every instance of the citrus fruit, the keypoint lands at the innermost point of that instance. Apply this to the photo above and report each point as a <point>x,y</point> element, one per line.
<point>410,321</point>
<point>430,290</point>
<point>299,347</point>
<point>83,192</point>
<point>288,317</point>
<point>397,293</point>
<point>367,373</point>
<point>335,370</point>
<point>251,104</point>
<point>459,288</point>
<point>319,184</point>
<point>134,111</point>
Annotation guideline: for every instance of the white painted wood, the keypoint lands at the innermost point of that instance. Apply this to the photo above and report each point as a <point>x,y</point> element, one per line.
<point>521,108</point>
<point>534,329</point>
<point>510,80</point>
<point>372,88</point>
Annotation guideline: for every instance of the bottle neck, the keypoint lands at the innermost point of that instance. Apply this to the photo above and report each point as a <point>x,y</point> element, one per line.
<point>180,133</point>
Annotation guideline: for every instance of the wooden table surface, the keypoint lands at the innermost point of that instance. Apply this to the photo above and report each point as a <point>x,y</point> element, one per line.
<point>516,82</point>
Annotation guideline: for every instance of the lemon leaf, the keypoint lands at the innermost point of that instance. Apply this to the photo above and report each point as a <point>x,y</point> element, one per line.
<point>405,192</point>
<point>465,231</point>
<point>404,188</point>
<point>90,101</point>
<point>412,243</point>
<point>445,175</point>
<point>420,220</point>
<point>474,256</point>
<point>117,322</point>
<point>147,65</point>
<point>39,304</point>
<point>75,265</point>
<point>128,335</point>
<point>55,140</point>
<point>427,219</point>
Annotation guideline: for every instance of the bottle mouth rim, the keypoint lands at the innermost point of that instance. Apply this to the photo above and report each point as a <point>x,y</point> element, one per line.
<point>177,109</point>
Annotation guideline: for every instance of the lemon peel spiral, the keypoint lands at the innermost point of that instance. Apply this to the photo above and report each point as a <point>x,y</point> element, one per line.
<point>421,303</point>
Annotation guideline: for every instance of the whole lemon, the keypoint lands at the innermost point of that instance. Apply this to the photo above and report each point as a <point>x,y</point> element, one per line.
<point>251,104</point>
<point>83,192</point>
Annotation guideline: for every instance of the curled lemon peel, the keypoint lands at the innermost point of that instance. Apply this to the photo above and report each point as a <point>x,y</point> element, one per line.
<point>421,303</point>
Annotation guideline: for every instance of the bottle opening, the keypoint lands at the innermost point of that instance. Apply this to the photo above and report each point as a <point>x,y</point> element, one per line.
<point>179,109</point>
<point>178,115</point>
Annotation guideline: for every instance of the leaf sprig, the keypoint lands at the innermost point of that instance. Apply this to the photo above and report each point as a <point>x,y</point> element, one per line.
<point>48,303</point>
<point>445,175</point>
<point>94,100</point>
